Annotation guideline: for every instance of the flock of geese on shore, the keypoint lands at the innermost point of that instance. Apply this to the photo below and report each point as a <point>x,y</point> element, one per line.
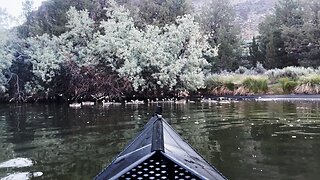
<point>220,100</point>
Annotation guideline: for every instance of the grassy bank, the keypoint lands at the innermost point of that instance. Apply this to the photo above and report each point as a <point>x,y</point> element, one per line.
<point>290,80</point>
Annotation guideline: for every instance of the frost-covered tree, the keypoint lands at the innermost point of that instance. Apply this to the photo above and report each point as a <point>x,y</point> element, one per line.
<point>173,55</point>
<point>83,69</point>
<point>48,54</point>
<point>166,58</point>
<point>108,60</point>
<point>116,43</point>
<point>5,50</point>
<point>77,40</point>
<point>45,56</point>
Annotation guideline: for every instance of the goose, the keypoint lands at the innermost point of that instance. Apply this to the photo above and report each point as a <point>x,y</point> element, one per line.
<point>209,100</point>
<point>87,103</point>
<point>181,101</point>
<point>134,102</point>
<point>75,105</point>
<point>106,103</point>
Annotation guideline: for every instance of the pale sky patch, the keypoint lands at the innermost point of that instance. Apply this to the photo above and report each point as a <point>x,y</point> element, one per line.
<point>14,8</point>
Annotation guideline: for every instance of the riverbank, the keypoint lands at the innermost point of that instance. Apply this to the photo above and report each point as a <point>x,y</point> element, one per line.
<point>243,82</point>
<point>190,99</point>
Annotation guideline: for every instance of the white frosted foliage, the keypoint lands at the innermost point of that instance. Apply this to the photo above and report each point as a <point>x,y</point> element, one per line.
<point>44,53</point>
<point>169,57</point>
<point>48,53</point>
<point>5,56</point>
<point>76,42</point>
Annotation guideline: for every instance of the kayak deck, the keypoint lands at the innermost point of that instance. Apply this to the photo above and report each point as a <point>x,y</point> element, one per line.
<point>158,152</point>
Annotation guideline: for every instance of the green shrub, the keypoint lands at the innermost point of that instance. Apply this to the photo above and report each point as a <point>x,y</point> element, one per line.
<point>231,86</point>
<point>262,85</point>
<point>256,85</point>
<point>288,84</point>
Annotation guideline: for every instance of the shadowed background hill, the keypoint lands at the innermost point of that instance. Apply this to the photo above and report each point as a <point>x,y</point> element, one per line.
<point>249,14</point>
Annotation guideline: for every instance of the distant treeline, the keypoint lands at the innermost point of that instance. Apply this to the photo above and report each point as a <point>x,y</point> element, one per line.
<point>95,49</point>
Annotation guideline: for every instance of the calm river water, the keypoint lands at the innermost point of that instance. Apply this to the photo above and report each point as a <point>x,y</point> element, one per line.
<point>244,140</point>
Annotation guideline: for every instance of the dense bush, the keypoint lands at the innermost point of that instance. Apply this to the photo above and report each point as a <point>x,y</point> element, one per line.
<point>256,85</point>
<point>90,57</point>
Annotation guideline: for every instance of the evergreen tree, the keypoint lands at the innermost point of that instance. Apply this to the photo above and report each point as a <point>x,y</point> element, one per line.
<point>27,29</point>
<point>276,39</point>
<point>161,12</point>
<point>309,35</point>
<point>217,20</point>
<point>271,54</point>
<point>255,55</point>
<point>289,13</point>
<point>6,51</point>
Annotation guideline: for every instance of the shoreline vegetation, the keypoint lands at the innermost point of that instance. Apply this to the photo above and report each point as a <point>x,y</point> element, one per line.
<point>259,81</point>
<point>243,84</point>
<point>97,51</point>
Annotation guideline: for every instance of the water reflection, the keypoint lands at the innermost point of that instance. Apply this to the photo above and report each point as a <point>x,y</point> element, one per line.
<point>244,140</point>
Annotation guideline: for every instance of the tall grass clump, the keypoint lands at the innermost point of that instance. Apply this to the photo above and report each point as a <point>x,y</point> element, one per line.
<point>256,85</point>
<point>309,85</point>
<point>313,80</point>
<point>218,84</point>
<point>288,85</point>
<point>213,81</point>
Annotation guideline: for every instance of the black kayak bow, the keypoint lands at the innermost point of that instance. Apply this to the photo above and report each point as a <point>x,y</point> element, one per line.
<point>158,152</point>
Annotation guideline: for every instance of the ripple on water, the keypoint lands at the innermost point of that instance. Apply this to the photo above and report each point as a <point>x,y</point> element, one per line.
<point>297,132</point>
<point>22,175</point>
<point>66,144</point>
<point>17,163</point>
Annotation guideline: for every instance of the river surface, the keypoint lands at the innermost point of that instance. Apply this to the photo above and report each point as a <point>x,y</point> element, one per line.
<point>244,140</point>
